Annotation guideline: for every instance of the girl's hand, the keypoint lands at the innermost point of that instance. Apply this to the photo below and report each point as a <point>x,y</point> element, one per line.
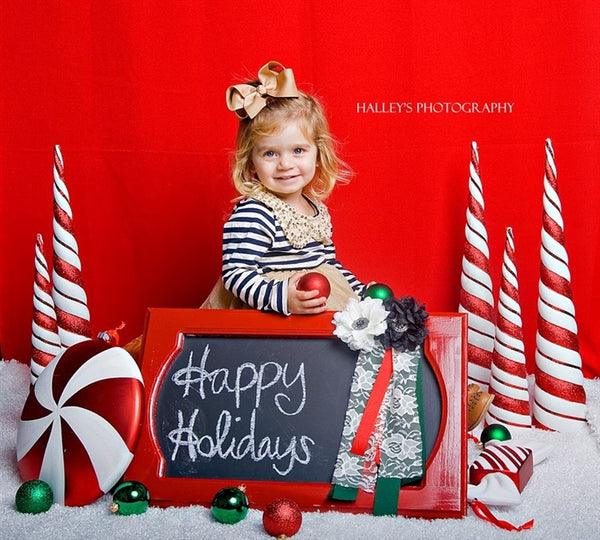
<point>303,302</point>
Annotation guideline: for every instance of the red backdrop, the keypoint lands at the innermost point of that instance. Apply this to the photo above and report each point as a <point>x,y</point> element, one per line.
<point>134,94</point>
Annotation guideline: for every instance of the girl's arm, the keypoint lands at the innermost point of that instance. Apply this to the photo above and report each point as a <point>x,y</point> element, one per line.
<point>247,236</point>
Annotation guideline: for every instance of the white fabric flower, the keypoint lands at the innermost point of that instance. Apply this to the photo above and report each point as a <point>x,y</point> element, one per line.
<point>360,322</point>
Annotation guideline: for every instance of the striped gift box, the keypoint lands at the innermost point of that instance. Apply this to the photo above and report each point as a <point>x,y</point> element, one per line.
<point>516,462</point>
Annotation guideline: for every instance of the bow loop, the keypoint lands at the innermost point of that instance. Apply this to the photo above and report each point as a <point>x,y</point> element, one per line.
<point>247,100</point>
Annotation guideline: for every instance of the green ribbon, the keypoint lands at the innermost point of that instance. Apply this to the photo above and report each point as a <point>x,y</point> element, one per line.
<point>403,447</point>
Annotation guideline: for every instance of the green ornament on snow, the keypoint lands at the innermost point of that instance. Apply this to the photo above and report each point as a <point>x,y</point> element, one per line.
<point>34,497</point>
<point>130,498</point>
<point>230,505</point>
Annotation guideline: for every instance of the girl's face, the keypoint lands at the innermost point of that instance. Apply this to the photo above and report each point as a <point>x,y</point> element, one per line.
<point>285,162</point>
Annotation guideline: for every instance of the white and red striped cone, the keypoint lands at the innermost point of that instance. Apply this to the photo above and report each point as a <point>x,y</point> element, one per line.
<point>508,380</point>
<point>559,396</point>
<point>476,296</point>
<point>70,300</point>
<point>45,343</point>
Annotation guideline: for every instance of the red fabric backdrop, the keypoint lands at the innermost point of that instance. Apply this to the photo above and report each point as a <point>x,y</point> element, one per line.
<point>134,94</point>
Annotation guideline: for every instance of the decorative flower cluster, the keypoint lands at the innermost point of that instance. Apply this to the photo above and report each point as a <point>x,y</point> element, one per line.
<point>391,323</point>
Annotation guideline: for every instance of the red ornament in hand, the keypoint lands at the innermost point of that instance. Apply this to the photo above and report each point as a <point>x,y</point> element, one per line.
<point>282,518</point>
<point>314,281</point>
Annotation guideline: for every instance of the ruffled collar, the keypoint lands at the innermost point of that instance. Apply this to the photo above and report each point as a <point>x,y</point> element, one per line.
<point>298,228</point>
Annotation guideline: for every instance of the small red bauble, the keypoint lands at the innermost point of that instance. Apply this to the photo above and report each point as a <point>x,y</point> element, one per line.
<point>282,518</point>
<point>314,281</point>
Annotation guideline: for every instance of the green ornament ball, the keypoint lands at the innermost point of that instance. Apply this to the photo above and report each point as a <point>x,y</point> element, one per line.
<point>379,290</point>
<point>229,505</point>
<point>130,498</point>
<point>34,497</point>
<point>494,432</point>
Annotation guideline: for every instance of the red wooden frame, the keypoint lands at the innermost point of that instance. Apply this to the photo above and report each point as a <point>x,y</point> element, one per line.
<point>441,494</point>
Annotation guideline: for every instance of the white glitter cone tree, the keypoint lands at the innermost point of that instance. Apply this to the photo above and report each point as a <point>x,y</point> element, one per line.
<point>45,343</point>
<point>476,296</point>
<point>559,396</point>
<point>508,381</point>
<point>69,296</point>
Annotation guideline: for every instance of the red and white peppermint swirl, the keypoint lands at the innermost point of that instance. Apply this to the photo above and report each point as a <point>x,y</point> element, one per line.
<point>45,343</point>
<point>508,380</point>
<point>81,422</point>
<point>559,395</point>
<point>476,297</point>
<point>70,300</point>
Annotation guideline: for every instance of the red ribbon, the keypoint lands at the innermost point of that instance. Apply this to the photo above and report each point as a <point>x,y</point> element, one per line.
<point>474,439</point>
<point>483,512</point>
<point>112,336</point>
<point>369,417</point>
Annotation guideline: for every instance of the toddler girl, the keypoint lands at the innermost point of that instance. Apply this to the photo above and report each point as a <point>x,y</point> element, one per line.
<point>284,167</point>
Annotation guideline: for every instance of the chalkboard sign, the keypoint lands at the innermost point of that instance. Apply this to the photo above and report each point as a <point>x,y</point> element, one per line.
<point>245,408</point>
<point>239,396</point>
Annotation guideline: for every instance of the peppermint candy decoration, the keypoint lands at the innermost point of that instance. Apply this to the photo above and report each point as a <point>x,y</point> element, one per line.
<point>516,462</point>
<point>81,422</point>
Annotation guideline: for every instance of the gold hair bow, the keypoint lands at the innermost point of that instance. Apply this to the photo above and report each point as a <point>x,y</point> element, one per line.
<point>247,100</point>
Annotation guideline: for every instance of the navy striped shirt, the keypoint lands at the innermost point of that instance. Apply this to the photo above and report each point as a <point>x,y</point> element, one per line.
<point>254,244</point>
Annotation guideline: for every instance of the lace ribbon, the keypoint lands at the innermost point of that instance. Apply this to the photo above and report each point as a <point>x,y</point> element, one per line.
<point>384,409</point>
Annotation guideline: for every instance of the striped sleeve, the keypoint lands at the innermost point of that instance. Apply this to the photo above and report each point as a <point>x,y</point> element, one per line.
<point>248,235</point>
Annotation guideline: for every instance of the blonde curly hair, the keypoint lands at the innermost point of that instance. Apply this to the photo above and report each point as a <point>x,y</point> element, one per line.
<point>308,112</point>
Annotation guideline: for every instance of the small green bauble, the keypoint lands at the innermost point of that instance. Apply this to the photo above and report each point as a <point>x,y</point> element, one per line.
<point>379,290</point>
<point>229,505</point>
<point>495,432</point>
<point>34,497</point>
<point>130,498</point>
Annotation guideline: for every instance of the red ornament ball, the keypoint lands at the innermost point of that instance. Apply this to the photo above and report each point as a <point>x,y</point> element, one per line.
<point>282,517</point>
<point>314,281</point>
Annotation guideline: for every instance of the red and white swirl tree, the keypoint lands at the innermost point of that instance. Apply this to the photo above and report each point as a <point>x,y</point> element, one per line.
<point>508,380</point>
<point>45,343</point>
<point>559,396</point>
<point>69,296</point>
<point>476,295</point>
